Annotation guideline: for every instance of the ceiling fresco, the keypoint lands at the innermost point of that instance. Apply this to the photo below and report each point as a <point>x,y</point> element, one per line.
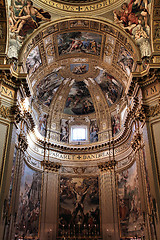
<point>111,88</point>
<point>110,47</point>
<point>79,68</point>
<point>49,49</point>
<point>33,61</point>
<point>131,16</point>
<point>46,89</point>
<point>79,100</point>
<point>125,60</point>
<point>79,42</point>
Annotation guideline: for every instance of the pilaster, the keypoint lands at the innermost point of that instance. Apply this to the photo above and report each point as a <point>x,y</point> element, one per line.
<point>145,143</point>
<point>49,210</point>
<point>110,229</point>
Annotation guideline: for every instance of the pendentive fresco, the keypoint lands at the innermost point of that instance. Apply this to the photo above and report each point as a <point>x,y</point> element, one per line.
<point>24,18</point>
<point>134,17</point>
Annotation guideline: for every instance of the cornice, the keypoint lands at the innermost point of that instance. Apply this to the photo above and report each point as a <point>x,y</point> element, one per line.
<point>14,79</point>
<point>145,78</point>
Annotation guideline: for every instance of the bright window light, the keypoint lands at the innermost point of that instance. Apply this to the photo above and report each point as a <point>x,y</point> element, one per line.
<point>78,133</point>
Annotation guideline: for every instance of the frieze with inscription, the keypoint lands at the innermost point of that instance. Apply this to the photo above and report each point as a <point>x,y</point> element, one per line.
<point>80,157</point>
<point>79,8</point>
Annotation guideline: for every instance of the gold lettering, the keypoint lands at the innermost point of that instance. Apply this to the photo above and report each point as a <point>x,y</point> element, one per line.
<point>7,92</point>
<point>82,8</point>
<point>92,8</point>
<point>147,92</point>
<point>86,9</point>
<point>153,89</point>
<point>4,90</point>
<point>10,94</point>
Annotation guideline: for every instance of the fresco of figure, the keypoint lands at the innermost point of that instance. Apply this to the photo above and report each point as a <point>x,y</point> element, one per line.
<point>81,42</point>
<point>129,203</point>
<point>141,37</point>
<point>79,68</point>
<point>93,131</point>
<point>28,18</point>
<point>42,124</point>
<point>64,131</point>
<point>134,18</point>
<point>115,124</point>
<point>79,100</point>
<point>27,221</point>
<point>130,13</point>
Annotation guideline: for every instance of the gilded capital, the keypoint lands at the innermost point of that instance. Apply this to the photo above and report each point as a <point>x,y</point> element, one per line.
<point>51,166</point>
<point>110,165</point>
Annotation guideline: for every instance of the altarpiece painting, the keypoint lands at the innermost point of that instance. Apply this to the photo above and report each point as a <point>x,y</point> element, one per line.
<point>79,207</point>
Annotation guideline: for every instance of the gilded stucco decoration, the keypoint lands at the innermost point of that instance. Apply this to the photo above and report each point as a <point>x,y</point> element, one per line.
<point>72,58</point>
<point>4,111</point>
<point>86,74</point>
<point>133,17</point>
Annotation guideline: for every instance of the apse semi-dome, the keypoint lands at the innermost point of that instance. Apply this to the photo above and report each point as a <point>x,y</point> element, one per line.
<point>78,75</point>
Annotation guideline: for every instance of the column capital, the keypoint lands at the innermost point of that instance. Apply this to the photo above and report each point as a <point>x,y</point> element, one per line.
<point>22,140</point>
<point>51,166</point>
<point>152,111</point>
<point>107,165</point>
<point>136,141</point>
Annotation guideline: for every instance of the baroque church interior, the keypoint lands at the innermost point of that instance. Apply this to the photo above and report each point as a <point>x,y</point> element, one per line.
<point>79,119</point>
